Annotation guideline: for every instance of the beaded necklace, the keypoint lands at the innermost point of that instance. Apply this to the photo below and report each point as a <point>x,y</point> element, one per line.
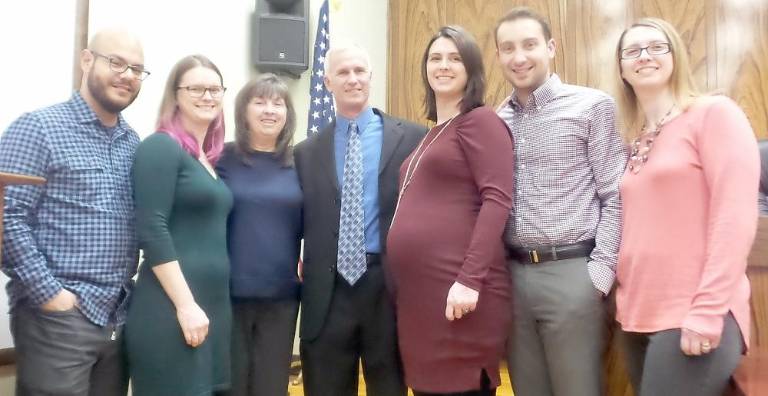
<point>639,155</point>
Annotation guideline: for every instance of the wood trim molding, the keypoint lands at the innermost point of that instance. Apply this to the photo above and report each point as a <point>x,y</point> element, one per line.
<point>81,40</point>
<point>7,356</point>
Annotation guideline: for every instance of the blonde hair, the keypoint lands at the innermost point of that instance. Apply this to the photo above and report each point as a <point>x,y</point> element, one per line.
<point>344,46</point>
<point>681,81</point>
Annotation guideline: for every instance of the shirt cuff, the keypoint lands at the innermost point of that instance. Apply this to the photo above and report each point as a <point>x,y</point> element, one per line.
<point>602,276</point>
<point>709,326</point>
<point>472,283</point>
<point>44,291</point>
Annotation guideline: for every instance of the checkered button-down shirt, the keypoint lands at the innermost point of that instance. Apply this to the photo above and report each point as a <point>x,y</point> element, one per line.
<point>569,159</point>
<point>77,230</point>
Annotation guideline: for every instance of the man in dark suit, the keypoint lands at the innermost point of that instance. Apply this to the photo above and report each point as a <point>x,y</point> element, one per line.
<point>349,176</point>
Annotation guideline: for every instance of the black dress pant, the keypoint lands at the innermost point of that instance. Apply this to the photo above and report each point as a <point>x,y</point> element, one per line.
<point>359,326</point>
<point>262,346</point>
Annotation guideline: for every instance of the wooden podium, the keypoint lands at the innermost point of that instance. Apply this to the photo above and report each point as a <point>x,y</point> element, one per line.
<point>7,179</point>
<point>751,377</point>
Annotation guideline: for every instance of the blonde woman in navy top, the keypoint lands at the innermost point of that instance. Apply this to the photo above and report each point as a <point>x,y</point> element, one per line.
<point>264,232</point>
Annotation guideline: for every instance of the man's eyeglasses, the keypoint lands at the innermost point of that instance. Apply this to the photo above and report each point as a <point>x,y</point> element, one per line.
<point>197,91</point>
<point>118,65</point>
<point>653,49</point>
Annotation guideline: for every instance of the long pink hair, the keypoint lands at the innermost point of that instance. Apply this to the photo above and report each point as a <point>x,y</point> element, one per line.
<point>169,119</point>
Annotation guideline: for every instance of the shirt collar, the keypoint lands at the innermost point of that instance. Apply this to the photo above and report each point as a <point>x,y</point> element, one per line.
<point>86,115</point>
<point>362,120</point>
<point>541,95</point>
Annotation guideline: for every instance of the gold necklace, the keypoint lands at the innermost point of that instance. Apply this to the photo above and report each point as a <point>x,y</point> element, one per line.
<point>415,161</point>
<point>263,149</point>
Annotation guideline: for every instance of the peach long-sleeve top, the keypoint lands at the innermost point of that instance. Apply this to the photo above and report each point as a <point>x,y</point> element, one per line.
<point>689,219</point>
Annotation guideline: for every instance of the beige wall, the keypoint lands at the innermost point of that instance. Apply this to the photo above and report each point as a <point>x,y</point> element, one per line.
<point>40,33</point>
<point>171,29</point>
<point>221,30</point>
<point>29,80</point>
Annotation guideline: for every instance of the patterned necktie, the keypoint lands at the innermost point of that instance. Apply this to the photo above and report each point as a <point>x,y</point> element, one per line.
<point>351,251</point>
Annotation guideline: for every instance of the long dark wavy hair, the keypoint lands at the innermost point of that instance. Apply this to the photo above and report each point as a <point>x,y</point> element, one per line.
<point>473,64</point>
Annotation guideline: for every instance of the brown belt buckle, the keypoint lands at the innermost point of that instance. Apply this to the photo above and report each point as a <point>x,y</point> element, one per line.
<point>534,256</point>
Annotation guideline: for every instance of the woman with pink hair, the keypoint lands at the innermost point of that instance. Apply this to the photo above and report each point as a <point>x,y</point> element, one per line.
<point>179,322</point>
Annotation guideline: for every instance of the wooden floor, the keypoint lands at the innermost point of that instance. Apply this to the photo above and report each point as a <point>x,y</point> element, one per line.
<point>8,379</point>
<point>504,390</point>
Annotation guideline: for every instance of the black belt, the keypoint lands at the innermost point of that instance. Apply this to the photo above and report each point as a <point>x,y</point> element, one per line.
<point>372,259</point>
<point>541,254</point>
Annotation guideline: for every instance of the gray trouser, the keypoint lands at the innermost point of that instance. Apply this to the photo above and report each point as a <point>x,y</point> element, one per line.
<point>657,366</point>
<point>558,330</point>
<point>262,340</point>
<point>64,354</point>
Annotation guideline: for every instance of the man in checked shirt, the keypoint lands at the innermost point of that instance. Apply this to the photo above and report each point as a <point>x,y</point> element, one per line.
<point>70,246</point>
<point>563,231</point>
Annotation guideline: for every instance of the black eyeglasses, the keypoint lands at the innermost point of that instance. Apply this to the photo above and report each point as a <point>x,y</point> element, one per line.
<point>653,49</point>
<point>197,91</point>
<point>118,65</point>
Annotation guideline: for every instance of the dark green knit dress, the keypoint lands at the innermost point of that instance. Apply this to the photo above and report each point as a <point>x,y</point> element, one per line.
<point>181,213</point>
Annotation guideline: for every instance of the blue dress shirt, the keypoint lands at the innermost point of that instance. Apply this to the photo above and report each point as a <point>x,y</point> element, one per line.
<point>371,129</point>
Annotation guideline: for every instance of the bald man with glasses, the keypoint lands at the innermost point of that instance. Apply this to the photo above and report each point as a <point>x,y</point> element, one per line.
<point>70,247</point>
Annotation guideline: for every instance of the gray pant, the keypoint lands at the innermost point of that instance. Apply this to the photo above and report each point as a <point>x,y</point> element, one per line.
<point>657,366</point>
<point>64,354</point>
<point>558,330</point>
<point>262,340</point>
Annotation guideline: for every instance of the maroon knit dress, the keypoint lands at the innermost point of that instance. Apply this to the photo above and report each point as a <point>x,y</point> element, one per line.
<point>448,228</point>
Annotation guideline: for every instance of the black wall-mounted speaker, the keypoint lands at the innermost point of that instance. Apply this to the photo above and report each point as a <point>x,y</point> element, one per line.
<point>280,36</point>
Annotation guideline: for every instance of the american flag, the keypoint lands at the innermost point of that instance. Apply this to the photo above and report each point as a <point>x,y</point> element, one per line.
<point>321,109</point>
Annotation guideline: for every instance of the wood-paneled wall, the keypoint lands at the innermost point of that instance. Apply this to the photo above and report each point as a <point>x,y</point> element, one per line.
<point>757,272</point>
<point>727,41</point>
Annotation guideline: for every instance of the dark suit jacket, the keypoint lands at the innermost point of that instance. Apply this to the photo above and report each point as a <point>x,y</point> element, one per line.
<point>316,166</point>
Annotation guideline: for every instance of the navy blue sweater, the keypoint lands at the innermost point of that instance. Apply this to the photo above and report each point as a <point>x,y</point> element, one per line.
<point>264,228</point>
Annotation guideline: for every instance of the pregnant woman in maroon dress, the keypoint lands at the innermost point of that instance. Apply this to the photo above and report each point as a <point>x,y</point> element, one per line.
<point>445,250</point>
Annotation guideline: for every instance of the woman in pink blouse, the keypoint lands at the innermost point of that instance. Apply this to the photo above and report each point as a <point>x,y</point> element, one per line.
<point>689,198</point>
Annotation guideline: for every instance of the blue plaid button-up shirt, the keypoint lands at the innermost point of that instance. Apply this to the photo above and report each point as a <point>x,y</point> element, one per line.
<point>77,230</point>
